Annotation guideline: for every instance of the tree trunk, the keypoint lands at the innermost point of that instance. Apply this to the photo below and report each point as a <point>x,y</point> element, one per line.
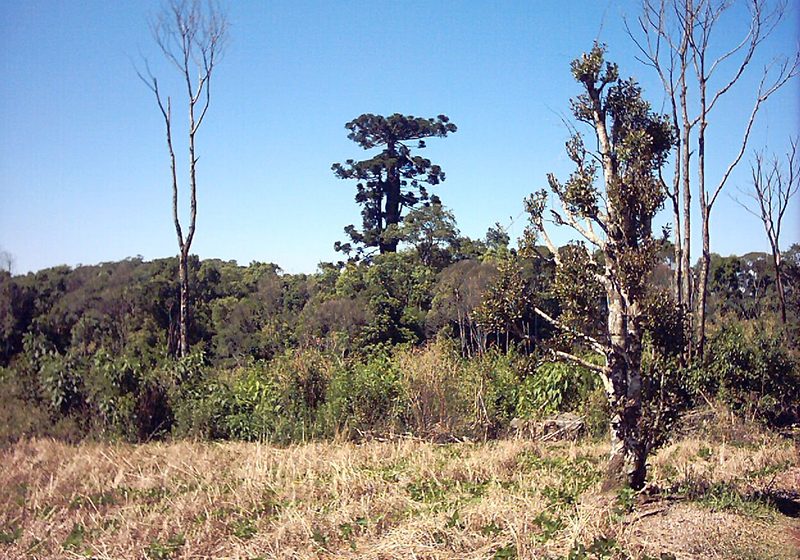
<point>627,462</point>
<point>686,154</point>
<point>776,255</point>
<point>702,284</point>
<point>183,328</point>
<point>705,211</point>
<point>392,211</point>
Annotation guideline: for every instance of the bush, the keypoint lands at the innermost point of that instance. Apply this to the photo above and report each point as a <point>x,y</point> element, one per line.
<point>440,390</point>
<point>751,370</point>
<point>498,392</point>
<point>366,398</point>
<point>553,387</point>
<point>272,400</point>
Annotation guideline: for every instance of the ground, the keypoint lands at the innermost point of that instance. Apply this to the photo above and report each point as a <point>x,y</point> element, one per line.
<point>403,498</point>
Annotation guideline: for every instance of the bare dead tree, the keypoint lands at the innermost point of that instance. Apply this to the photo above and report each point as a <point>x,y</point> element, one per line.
<point>6,261</point>
<point>665,48</point>
<point>676,39</point>
<point>191,35</point>
<point>774,183</point>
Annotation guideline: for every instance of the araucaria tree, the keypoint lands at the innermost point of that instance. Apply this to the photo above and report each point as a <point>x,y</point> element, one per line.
<point>191,35</point>
<point>610,200</point>
<point>394,179</point>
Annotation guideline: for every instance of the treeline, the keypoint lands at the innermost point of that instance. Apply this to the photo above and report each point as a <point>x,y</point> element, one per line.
<point>437,339</point>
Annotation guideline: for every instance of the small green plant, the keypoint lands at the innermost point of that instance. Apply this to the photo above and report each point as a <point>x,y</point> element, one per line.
<point>243,528</point>
<point>454,520</point>
<point>74,540</point>
<point>549,525</point>
<point>166,550</point>
<point>429,491</point>
<point>724,496</point>
<point>626,498</point>
<point>508,552</point>
<point>607,548</point>
<point>348,531</point>
<point>320,539</point>
<point>9,534</point>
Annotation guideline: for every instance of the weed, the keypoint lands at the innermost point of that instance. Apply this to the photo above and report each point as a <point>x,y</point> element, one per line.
<point>9,534</point>
<point>319,538</point>
<point>454,520</point>
<point>549,525</point>
<point>75,538</point>
<point>491,530</point>
<point>164,551</point>
<point>626,499</point>
<point>429,491</point>
<point>508,552</point>
<point>724,496</point>
<point>243,528</point>
<point>98,499</point>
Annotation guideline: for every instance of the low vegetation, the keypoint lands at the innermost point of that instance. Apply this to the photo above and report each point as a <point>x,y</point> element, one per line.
<point>404,498</point>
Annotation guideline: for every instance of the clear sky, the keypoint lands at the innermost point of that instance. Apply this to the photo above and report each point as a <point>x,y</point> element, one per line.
<point>84,174</point>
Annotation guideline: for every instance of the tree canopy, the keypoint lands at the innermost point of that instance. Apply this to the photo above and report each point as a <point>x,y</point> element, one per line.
<point>393,180</point>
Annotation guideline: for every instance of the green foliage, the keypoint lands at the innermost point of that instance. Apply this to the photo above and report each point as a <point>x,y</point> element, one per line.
<point>277,356</point>
<point>457,295</point>
<point>398,292</point>
<point>752,371</point>
<point>264,400</point>
<point>552,387</point>
<point>499,397</point>
<point>158,550</point>
<point>580,295</point>
<point>364,398</point>
<point>74,540</point>
<point>9,534</point>
<point>506,304</point>
<point>431,230</point>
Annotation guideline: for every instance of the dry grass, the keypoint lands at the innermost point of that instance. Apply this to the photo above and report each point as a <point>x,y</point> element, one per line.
<point>401,499</point>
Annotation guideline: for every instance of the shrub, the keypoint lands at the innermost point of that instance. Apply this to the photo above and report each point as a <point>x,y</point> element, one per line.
<point>499,395</point>
<point>366,398</point>
<point>552,387</point>
<point>440,392</point>
<point>272,400</point>
<point>751,371</point>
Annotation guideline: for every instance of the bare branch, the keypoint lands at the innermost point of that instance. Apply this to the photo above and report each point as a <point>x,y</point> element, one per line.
<point>786,72</point>
<point>596,345</point>
<point>585,363</point>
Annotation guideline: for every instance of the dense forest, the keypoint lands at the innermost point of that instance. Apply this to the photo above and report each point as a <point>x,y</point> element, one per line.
<point>437,339</point>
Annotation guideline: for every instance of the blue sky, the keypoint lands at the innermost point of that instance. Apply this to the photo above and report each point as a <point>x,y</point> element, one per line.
<point>84,170</point>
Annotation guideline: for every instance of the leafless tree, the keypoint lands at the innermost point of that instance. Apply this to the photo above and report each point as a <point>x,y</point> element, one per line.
<point>774,183</point>
<point>6,261</point>
<point>191,35</point>
<point>675,38</point>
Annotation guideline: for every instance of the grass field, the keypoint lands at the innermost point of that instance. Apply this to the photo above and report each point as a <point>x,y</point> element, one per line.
<point>394,499</point>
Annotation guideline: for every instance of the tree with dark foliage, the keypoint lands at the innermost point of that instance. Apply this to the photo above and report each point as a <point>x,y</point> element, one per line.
<point>394,179</point>
<point>616,218</point>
